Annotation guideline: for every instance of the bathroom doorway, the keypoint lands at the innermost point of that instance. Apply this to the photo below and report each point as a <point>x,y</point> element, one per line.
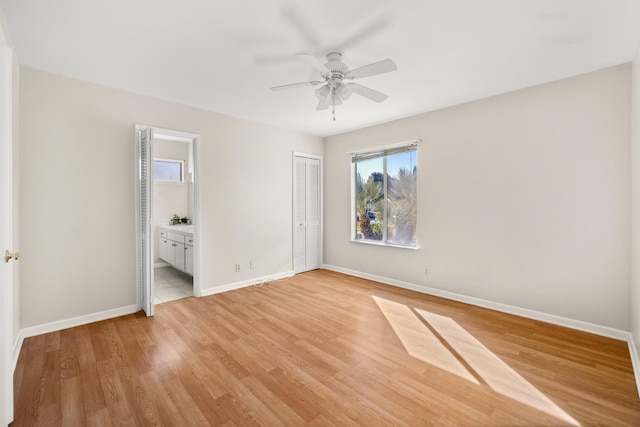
<point>167,210</point>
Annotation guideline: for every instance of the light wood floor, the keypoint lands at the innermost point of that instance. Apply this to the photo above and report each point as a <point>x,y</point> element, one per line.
<point>322,349</point>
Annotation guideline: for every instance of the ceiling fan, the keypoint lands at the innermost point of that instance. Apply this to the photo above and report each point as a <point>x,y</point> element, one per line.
<point>334,89</point>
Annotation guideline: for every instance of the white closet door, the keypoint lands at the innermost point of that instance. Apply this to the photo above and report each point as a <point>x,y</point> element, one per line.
<point>307,213</point>
<point>313,214</point>
<point>145,189</point>
<point>6,233</point>
<point>300,214</point>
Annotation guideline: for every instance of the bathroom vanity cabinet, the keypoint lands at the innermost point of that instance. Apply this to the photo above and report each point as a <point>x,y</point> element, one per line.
<point>175,246</point>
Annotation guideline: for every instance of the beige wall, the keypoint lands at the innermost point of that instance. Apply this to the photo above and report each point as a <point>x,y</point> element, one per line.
<point>524,199</point>
<point>78,203</point>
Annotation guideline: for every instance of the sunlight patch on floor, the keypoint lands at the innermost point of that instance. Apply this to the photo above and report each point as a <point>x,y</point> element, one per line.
<point>420,342</point>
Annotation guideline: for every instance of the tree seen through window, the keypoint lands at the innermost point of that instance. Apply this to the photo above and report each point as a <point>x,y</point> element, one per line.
<point>385,197</point>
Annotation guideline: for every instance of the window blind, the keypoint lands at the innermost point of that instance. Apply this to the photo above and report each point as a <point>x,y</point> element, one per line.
<point>368,155</point>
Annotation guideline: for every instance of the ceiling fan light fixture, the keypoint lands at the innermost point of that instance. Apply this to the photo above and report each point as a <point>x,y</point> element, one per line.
<point>322,92</point>
<point>346,91</point>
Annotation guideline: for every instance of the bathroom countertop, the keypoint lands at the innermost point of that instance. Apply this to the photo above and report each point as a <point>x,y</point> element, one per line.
<point>186,228</point>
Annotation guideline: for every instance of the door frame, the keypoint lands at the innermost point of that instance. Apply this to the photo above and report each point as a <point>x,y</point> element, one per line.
<point>295,155</point>
<point>181,136</point>
<point>6,232</point>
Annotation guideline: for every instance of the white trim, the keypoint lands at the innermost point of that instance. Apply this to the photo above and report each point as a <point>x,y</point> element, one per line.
<point>165,135</point>
<point>59,325</point>
<point>197,215</point>
<point>17,346</point>
<point>353,202</point>
<point>7,277</point>
<point>246,283</point>
<point>353,227</point>
<point>137,173</point>
<point>635,360</point>
<point>170,134</point>
<point>579,325</point>
<point>557,320</point>
<point>386,146</point>
<point>194,139</point>
<point>384,245</point>
<point>308,156</point>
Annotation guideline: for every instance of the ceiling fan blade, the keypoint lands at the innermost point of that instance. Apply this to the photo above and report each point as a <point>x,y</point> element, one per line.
<point>367,19</point>
<point>314,62</point>
<point>292,85</point>
<point>294,16</point>
<point>373,27</point>
<point>384,66</point>
<point>373,95</point>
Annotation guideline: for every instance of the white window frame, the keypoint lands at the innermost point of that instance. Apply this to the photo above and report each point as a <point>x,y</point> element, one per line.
<point>156,159</point>
<point>371,154</point>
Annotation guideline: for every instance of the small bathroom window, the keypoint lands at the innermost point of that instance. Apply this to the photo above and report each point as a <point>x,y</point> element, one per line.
<point>168,170</point>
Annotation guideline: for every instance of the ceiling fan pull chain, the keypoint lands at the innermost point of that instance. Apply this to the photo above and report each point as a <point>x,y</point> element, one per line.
<point>333,110</point>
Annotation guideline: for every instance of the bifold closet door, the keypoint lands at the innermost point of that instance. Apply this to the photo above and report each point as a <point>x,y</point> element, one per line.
<point>145,190</point>
<point>307,214</point>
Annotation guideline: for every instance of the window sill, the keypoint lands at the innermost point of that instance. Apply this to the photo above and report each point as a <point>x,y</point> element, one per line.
<point>385,245</point>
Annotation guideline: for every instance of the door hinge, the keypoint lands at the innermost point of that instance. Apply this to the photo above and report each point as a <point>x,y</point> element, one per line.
<point>8,256</point>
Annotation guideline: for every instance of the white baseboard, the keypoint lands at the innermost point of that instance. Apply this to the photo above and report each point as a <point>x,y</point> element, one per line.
<point>531,314</point>
<point>58,325</point>
<point>237,285</point>
<point>518,311</point>
<point>17,346</point>
<point>505,308</point>
<point>635,360</point>
<point>161,265</point>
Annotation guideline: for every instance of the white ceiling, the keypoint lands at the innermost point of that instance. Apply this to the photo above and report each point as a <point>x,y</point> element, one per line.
<point>224,55</point>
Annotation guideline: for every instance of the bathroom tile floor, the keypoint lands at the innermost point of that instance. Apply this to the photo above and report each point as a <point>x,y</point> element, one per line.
<point>171,284</point>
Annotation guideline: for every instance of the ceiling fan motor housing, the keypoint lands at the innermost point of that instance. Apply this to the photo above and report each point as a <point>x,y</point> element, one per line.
<point>336,66</point>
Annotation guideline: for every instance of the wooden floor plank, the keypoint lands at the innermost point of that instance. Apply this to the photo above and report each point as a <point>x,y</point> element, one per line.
<point>317,349</point>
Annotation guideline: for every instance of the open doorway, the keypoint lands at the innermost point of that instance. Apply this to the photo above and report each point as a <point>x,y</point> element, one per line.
<point>167,193</point>
<point>172,220</point>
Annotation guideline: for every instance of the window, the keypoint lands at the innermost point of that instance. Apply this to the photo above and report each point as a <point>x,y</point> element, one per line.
<point>168,170</point>
<point>385,197</point>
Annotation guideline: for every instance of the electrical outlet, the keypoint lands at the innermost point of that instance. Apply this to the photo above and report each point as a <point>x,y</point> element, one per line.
<point>426,271</point>
<point>237,268</point>
<point>252,265</point>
